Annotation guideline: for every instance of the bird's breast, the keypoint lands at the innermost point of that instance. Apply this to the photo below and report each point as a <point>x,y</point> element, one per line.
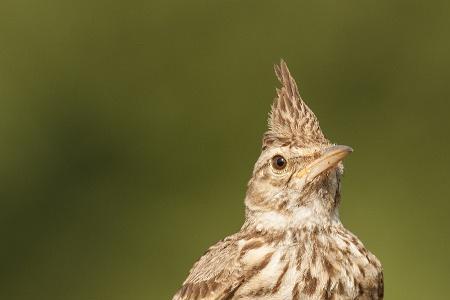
<point>308,265</point>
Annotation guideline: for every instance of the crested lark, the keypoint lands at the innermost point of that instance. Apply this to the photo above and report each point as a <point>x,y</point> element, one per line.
<point>292,244</point>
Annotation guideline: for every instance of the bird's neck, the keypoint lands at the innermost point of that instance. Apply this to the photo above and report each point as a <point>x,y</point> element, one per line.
<point>297,218</point>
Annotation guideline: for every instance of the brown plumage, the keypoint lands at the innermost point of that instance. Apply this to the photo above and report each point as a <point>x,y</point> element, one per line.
<point>292,244</point>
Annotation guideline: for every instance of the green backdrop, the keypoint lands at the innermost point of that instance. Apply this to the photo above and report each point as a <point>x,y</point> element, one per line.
<point>129,129</point>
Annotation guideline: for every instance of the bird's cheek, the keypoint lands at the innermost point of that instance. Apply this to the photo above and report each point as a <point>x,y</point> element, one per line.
<point>259,194</point>
<point>296,184</point>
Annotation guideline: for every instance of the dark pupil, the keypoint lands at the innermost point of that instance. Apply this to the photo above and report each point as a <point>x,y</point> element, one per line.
<point>280,161</point>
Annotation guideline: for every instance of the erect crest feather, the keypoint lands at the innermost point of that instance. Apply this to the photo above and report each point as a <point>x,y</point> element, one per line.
<point>291,121</point>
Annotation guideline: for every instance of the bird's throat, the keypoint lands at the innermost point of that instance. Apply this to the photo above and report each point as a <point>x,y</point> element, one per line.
<point>300,217</point>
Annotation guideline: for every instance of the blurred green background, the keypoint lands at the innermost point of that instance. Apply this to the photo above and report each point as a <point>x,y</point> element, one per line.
<point>128,131</point>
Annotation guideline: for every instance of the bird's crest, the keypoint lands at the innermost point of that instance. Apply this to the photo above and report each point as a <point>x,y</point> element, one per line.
<point>291,121</point>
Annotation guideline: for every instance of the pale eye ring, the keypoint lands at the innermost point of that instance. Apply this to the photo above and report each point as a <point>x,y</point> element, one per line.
<point>279,162</point>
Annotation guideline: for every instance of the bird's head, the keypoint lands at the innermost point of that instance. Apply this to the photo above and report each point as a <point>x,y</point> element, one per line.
<point>296,179</point>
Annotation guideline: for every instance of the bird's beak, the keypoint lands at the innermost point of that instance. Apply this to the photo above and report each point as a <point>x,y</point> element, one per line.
<point>329,159</point>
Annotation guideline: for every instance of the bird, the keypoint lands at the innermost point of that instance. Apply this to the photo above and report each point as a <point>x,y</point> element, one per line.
<point>292,244</point>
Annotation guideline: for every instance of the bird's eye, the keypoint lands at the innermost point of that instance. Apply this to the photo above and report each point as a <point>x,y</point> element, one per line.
<point>279,162</point>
